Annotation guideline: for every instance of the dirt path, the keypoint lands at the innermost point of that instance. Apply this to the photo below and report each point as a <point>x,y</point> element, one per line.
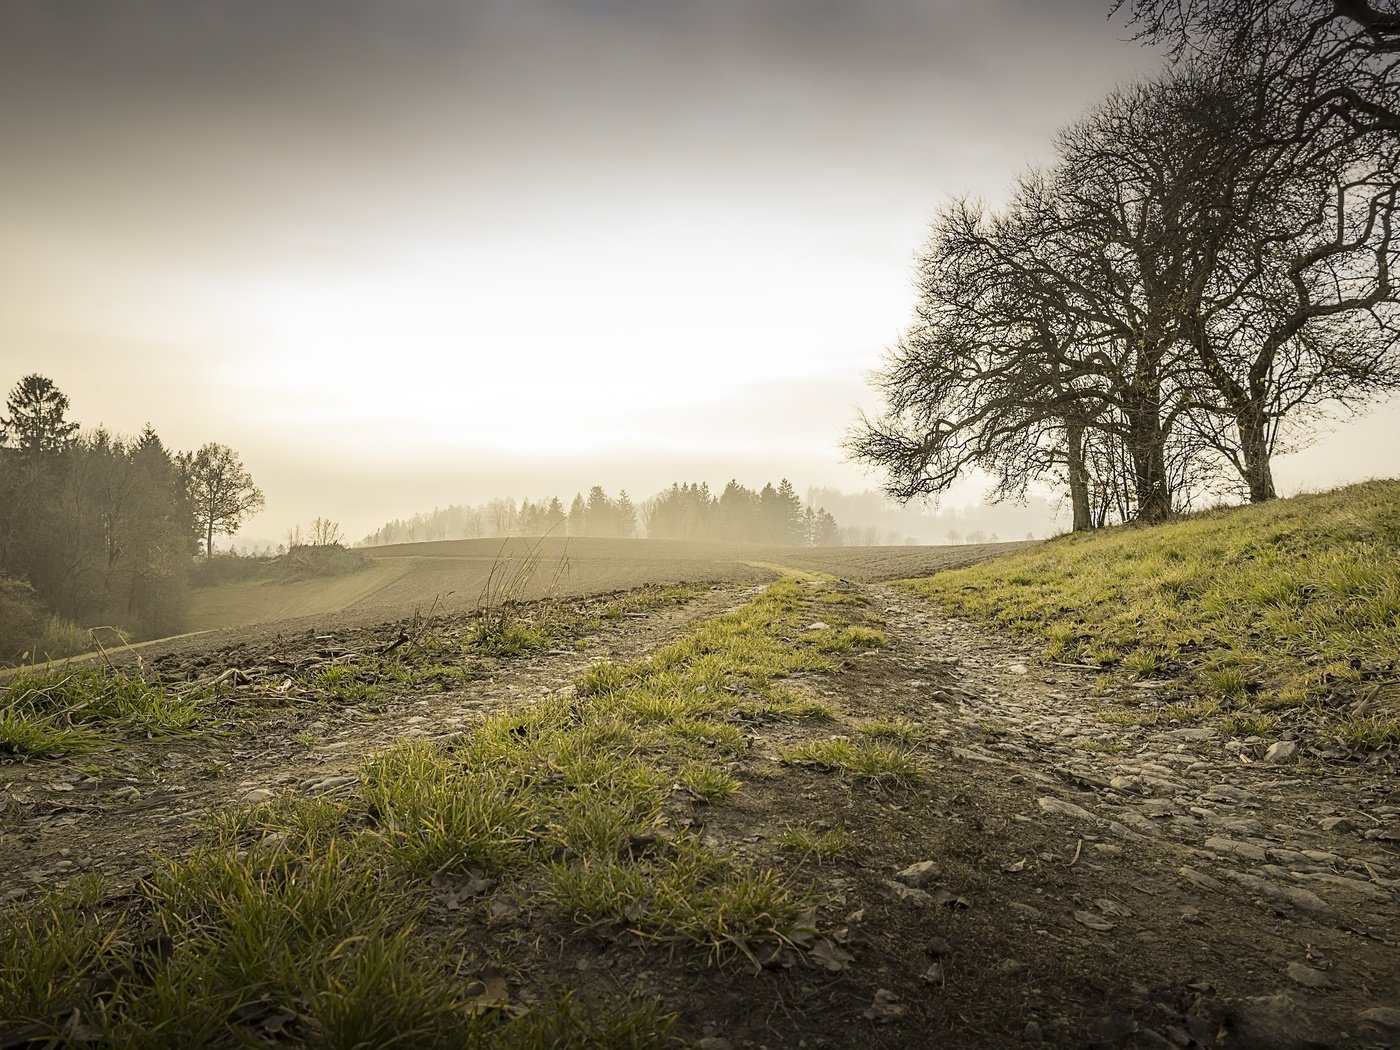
<point>1130,886</point>
<point>1052,878</point>
<point>109,811</point>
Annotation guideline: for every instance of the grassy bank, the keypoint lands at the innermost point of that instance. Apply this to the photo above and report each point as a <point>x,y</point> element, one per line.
<point>1263,616</point>
<point>387,917</point>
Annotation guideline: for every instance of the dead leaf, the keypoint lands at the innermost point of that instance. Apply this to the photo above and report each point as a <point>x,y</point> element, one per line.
<point>1094,922</point>
<point>830,956</point>
<point>885,1008</point>
<point>1014,866</point>
<point>488,991</point>
<point>774,957</point>
<point>453,893</point>
<point>274,1022</point>
<point>804,929</point>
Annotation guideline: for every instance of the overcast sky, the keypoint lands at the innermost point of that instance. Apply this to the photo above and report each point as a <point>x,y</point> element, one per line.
<point>405,254</point>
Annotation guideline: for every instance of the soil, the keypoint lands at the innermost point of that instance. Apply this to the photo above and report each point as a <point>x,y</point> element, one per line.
<point>1090,884</point>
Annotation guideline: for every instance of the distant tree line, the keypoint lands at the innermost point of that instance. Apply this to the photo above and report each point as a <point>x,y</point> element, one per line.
<point>684,511</point>
<point>771,515</point>
<point>99,529</point>
<point>1206,269</point>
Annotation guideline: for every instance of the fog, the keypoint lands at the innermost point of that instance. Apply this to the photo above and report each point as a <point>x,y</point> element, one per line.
<point>402,255</point>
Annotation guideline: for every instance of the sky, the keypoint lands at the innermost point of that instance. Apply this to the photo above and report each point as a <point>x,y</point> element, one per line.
<point>401,254</point>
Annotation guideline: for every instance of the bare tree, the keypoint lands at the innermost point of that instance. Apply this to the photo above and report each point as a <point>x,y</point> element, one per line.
<point>1149,313</point>
<point>1326,61</point>
<point>986,378</point>
<point>326,533</point>
<point>220,489</point>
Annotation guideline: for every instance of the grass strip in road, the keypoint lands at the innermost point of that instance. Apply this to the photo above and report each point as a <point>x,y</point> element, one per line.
<point>312,922</point>
<point>438,657</point>
<point>1287,610</point>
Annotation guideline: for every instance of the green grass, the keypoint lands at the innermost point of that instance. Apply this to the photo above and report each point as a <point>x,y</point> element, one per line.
<point>1246,724</point>
<point>55,711</point>
<point>861,760</point>
<point>1292,606</point>
<point>316,915</point>
<point>1105,747</point>
<point>506,637</point>
<point>821,843</point>
<point>708,782</point>
<point>1366,731</point>
<point>783,702</point>
<point>25,733</point>
<point>372,679</point>
<point>442,659</point>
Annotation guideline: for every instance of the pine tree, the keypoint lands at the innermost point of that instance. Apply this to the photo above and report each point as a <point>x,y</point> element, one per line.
<point>35,422</point>
<point>602,514</point>
<point>793,530</point>
<point>626,515</point>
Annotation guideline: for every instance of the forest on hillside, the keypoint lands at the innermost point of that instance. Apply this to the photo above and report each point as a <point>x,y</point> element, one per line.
<point>100,529</point>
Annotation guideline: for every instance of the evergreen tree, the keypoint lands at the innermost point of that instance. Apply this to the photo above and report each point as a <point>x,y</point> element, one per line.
<point>36,421</point>
<point>772,516</point>
<point>793,529</point>
<point>626,515</point>
<point>737,512</point>
<point>602,514</point>
<point>555,516</point>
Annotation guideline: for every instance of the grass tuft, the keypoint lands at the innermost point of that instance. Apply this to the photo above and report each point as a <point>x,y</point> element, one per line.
<point>822,843</point>
<point>860,760</point>
<point>54,711</point>
<point>899,730</point>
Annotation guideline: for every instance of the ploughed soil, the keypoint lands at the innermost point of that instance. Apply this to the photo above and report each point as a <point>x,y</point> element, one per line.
<point>1088,883</point>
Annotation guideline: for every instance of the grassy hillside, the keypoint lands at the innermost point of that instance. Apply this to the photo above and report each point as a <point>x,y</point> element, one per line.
<point>1284,613</point>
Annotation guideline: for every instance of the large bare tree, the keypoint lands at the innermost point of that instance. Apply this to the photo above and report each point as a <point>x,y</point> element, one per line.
<point>1150,312</point>
<point>987,377</point>
<point>1326,61</point>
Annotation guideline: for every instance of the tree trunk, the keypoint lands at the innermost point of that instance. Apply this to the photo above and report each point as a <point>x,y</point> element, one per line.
<point>1147,447</point>
<point>1078,479</point>
<point>1254,449</point>
<point>209,538</point>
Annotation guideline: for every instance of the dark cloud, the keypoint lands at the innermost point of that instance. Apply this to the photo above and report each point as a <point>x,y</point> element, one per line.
<point>251,119</point>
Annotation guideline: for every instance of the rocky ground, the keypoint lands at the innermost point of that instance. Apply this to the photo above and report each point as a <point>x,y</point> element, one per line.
<point>1053,878</point>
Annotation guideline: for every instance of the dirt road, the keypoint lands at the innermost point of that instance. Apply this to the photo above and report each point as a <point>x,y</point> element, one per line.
<point>1086,884</point>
